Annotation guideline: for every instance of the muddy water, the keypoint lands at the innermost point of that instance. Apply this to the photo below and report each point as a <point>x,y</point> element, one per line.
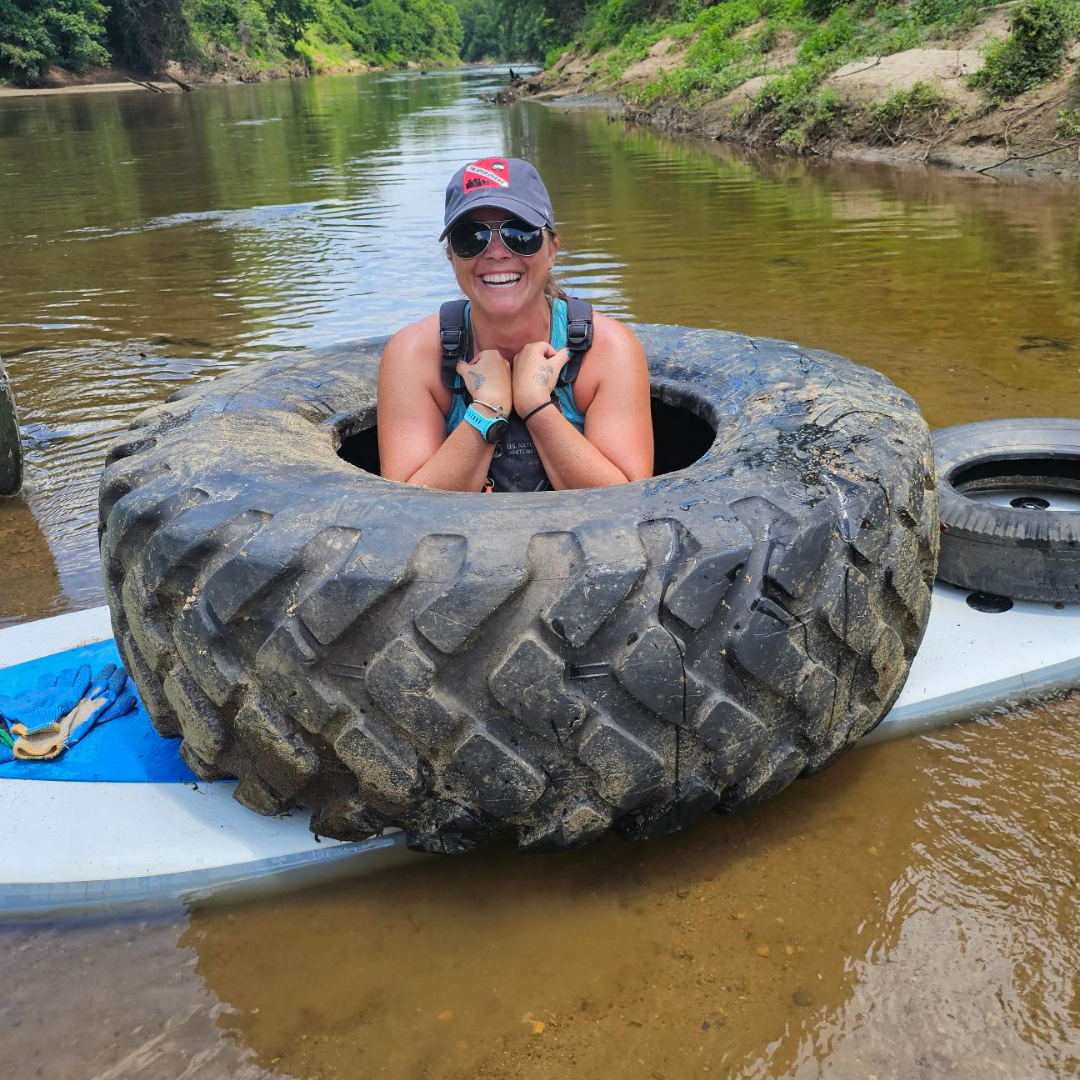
<point>911,913</point>
<point>150,240</point>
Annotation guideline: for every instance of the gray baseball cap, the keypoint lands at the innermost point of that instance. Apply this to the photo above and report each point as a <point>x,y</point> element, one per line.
<point>505,183</point>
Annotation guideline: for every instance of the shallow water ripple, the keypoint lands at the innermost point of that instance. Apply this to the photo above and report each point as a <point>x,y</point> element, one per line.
<point>911,913</point>
<point>180,235</point>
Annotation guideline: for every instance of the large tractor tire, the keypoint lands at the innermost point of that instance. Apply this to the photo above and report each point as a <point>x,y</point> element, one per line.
<point>11,462</point>
<point>543,665</point>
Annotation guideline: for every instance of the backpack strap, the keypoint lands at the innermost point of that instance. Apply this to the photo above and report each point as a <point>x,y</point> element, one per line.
<point>454,338</point>
<point>579,336</point>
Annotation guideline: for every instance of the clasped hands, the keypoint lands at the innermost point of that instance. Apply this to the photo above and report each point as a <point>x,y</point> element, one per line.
<point>492,380</point>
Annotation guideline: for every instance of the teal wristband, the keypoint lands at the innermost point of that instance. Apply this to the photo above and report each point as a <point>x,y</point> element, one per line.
<point>493,428</point>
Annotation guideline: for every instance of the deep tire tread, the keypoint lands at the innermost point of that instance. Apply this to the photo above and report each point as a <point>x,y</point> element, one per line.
<point>375,655</point>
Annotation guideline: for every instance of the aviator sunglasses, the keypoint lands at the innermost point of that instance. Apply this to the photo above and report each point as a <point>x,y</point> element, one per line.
<point>470,239</point>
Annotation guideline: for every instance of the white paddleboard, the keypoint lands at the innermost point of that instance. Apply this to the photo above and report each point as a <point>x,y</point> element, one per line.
<point>99,842</point>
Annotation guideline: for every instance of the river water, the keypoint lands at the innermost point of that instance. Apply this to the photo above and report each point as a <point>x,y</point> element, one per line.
<point>910,913</point>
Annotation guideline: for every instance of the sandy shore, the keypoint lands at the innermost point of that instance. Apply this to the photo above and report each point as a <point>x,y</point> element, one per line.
<point>231,70</point>
<point>8,92</point>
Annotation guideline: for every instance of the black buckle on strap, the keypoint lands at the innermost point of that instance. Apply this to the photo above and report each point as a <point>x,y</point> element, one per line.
<point>579,335</point>
<point>453,340</point>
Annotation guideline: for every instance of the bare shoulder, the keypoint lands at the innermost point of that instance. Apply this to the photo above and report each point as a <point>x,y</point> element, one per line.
<point>410,360</point>
<point>609,333</point>
<point>414,344</point>
<point>617,344</point>
<point>616,357</point>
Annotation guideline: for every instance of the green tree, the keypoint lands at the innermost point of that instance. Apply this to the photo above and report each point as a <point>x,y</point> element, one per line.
<point>291,17</point>
<point>1042,31</point>
<point>532,27</point>
<point>37,33</point>
<point>147,33</point>
<point>240,25</point>
<point>483,37</point>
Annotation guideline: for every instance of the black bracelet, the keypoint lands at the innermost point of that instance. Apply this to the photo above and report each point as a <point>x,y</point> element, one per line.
<point>532,412</point>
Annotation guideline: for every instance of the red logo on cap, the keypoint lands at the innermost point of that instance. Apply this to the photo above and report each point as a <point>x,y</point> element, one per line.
<point>487,173</point>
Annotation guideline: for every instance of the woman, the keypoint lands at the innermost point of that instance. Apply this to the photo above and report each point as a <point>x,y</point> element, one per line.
<point>518,417</point>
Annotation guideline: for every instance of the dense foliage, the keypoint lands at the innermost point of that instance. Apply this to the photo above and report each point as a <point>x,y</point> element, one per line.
<point>144,34</point>
<point>518,29</point>
<point>1042,31</point>
<point>36,33</point>
<point>481,25</point>
<point>724,50</point>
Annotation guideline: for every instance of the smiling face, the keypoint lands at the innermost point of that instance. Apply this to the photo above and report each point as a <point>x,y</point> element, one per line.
<point>499,282</point>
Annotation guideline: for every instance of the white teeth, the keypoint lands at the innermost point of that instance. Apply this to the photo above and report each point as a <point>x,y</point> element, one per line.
<point>501,279</point>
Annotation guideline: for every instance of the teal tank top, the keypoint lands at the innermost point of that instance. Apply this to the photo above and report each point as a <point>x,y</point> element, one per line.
<point>516,464</point>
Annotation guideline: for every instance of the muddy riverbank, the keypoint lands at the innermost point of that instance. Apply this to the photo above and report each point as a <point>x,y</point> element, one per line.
<point>228,70</point>
<point>914,106</point>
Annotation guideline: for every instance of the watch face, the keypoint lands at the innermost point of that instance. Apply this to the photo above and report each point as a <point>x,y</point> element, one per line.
<point>496,431</point>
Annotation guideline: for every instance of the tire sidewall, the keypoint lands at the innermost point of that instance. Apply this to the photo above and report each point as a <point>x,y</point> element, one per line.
<point>280,607</point>
<point>1025,554</point>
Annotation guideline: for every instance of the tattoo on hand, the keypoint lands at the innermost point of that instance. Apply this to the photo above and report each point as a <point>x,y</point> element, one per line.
<point>543,376</point>
<point>478,379</point>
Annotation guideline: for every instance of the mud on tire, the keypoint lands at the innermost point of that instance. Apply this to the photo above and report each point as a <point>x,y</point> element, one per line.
<point>11,462</point>
<point>544,665</point>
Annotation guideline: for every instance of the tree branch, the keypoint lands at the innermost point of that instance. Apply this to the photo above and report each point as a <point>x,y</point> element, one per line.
<point>145,85</point>
<point>183,85</point>
<point>1029,157</point>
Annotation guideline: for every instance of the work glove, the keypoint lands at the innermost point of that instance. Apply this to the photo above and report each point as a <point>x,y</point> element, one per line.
<point>55,696</point>
<point>108,698</point>
<point>113,685</point>
<point>6,744</point>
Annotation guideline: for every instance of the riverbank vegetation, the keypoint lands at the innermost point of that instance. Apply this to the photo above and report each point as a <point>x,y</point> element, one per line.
<point>809,75</point>
<point>1042,31</point>
<point>910,77</point>
<point>729,43</point>
<point>247,37</point>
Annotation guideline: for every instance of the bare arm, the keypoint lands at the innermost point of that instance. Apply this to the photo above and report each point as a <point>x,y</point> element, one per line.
<point>618,444</point>
<point>413,445</point>
<point>460,464</point>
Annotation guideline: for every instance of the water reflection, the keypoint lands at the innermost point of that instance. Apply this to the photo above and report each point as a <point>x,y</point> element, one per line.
<point>693,953</point>
<point>29,582</point>
<point>148,240</point>
<point>110,997</point>
<point>182,235</point>
<point>987,915</point>
<point>912,912</point>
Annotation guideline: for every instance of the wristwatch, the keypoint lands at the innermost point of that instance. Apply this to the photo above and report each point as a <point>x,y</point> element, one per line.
<point>493,428</point>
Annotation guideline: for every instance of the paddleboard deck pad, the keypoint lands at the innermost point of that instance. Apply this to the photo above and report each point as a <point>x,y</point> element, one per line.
<point>119,817</point>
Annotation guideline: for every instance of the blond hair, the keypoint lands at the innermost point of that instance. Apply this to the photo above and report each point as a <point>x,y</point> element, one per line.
<point>552,289</point>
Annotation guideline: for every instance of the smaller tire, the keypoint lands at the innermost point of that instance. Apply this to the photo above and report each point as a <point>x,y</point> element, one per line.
<point>11,470</point>
<point>1010,507</point>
